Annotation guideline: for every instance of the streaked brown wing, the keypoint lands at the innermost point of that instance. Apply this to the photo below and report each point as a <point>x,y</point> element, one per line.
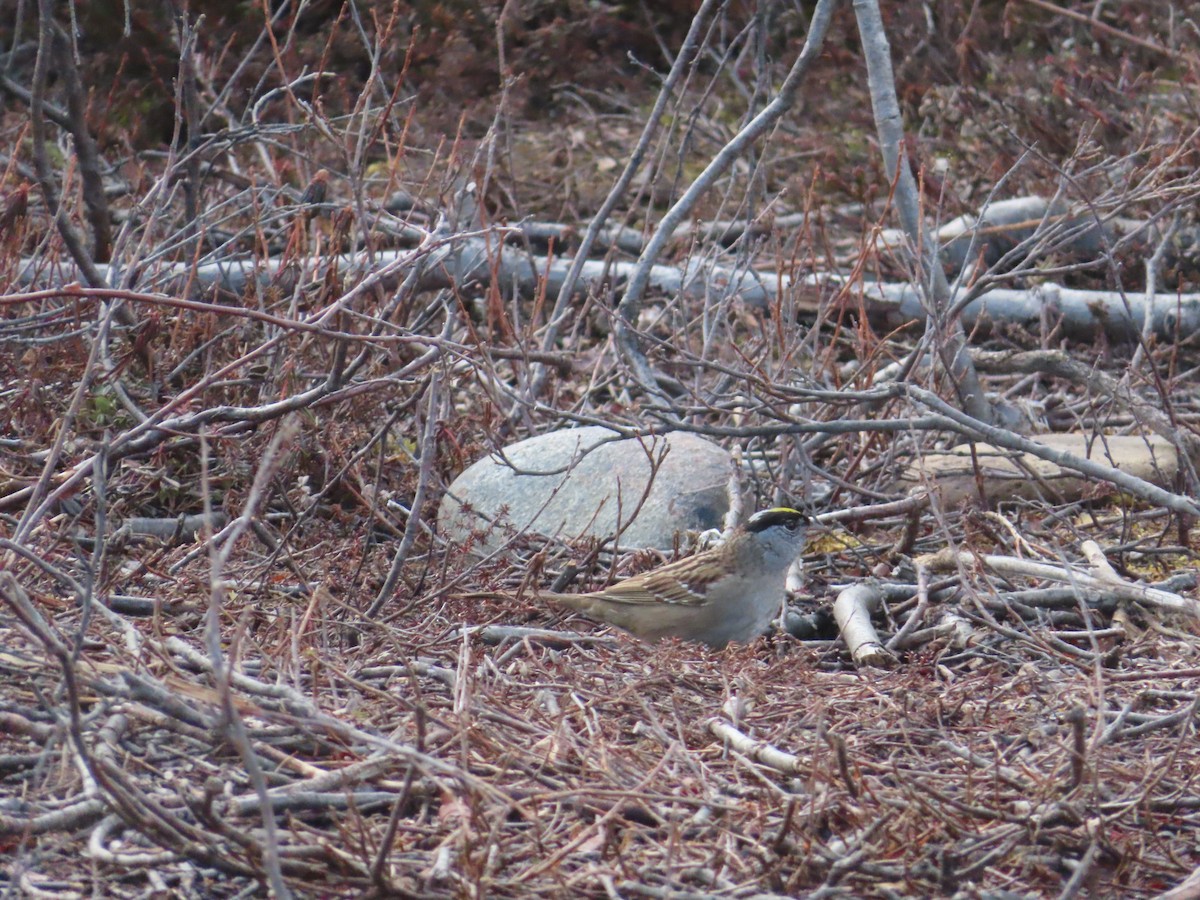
<point>655,587</point>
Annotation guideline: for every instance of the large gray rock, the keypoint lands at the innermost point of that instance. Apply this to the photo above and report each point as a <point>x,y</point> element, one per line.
<point>571,484</point>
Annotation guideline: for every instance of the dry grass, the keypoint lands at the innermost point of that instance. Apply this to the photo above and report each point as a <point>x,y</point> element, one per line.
<point>411,758</point>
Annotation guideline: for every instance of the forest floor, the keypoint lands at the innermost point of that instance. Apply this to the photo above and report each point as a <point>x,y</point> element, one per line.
<point>158,692</point>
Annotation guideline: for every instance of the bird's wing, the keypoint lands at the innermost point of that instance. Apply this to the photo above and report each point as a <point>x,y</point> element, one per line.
<point>654,587</point>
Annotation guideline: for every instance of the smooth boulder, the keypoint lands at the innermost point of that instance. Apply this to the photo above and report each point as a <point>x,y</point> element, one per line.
<point>576,483</point>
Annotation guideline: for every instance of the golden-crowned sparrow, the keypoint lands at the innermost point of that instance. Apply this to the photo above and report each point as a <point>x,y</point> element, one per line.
<point>728,593</point>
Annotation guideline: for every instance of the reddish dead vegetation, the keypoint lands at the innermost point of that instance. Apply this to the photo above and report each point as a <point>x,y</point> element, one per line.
<point>517,770</point>
<point>1044,745</point>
